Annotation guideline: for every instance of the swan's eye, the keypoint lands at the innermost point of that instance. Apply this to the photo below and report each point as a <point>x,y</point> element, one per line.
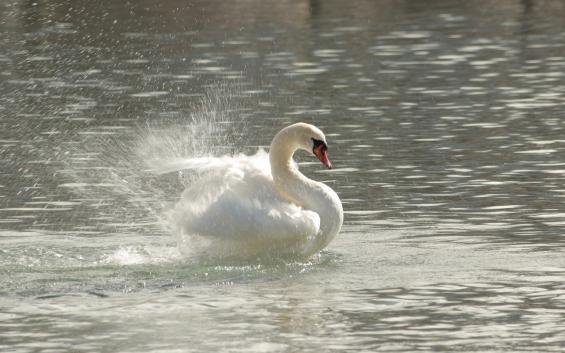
<point>318,143</point>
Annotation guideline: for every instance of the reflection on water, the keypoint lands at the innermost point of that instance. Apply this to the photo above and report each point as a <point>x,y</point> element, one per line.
<point>454,317</point>
<point>445,126</point>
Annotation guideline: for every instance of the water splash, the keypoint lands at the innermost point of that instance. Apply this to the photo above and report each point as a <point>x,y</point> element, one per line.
<point>127,182</point>
<point>131,255</point>
<point>112,174</point>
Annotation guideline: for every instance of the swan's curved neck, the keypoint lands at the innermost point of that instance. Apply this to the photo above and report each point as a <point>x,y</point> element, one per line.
<point>283,168</point>
<point>299,189</point>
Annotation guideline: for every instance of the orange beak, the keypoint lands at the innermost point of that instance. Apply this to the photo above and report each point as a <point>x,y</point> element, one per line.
<point>321,152</point>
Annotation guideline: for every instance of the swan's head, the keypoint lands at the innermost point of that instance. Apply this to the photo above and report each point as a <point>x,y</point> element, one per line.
<point>311,139</point>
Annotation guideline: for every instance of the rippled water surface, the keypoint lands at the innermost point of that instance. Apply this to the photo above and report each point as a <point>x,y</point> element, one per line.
<point>446,130</point>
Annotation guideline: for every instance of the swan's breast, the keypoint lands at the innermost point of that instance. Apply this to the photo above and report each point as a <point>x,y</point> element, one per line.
<point>326,203</point>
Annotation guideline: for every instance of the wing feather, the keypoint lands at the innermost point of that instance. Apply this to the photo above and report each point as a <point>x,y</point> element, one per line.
<point>236,199</point>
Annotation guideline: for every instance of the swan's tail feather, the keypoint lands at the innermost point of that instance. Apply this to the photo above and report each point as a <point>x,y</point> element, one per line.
<point>196,164</point>
<point>259,161</point>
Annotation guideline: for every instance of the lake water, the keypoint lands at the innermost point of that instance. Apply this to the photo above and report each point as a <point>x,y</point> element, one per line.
<point>446,130</point>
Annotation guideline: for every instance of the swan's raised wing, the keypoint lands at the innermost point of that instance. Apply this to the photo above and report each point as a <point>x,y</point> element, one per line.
<point>238,202</point>
<point>195,164</point>
<point>257,162</point>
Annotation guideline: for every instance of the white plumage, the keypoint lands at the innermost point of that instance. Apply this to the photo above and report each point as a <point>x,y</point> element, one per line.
<point>237,209</point>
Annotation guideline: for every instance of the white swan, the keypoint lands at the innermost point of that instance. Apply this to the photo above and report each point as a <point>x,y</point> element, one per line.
<point>259,206</point>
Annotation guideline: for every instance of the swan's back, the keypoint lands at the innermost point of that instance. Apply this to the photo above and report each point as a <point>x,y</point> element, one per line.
<point>235,210</point>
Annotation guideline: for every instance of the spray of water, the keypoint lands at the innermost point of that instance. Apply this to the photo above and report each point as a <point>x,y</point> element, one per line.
<point>114,174</point>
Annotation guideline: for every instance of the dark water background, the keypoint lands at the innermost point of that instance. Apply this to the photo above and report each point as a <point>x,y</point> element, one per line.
<point>445,124</point>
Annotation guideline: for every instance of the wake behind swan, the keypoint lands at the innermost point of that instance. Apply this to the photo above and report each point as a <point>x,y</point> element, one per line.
<point>257,206</point>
